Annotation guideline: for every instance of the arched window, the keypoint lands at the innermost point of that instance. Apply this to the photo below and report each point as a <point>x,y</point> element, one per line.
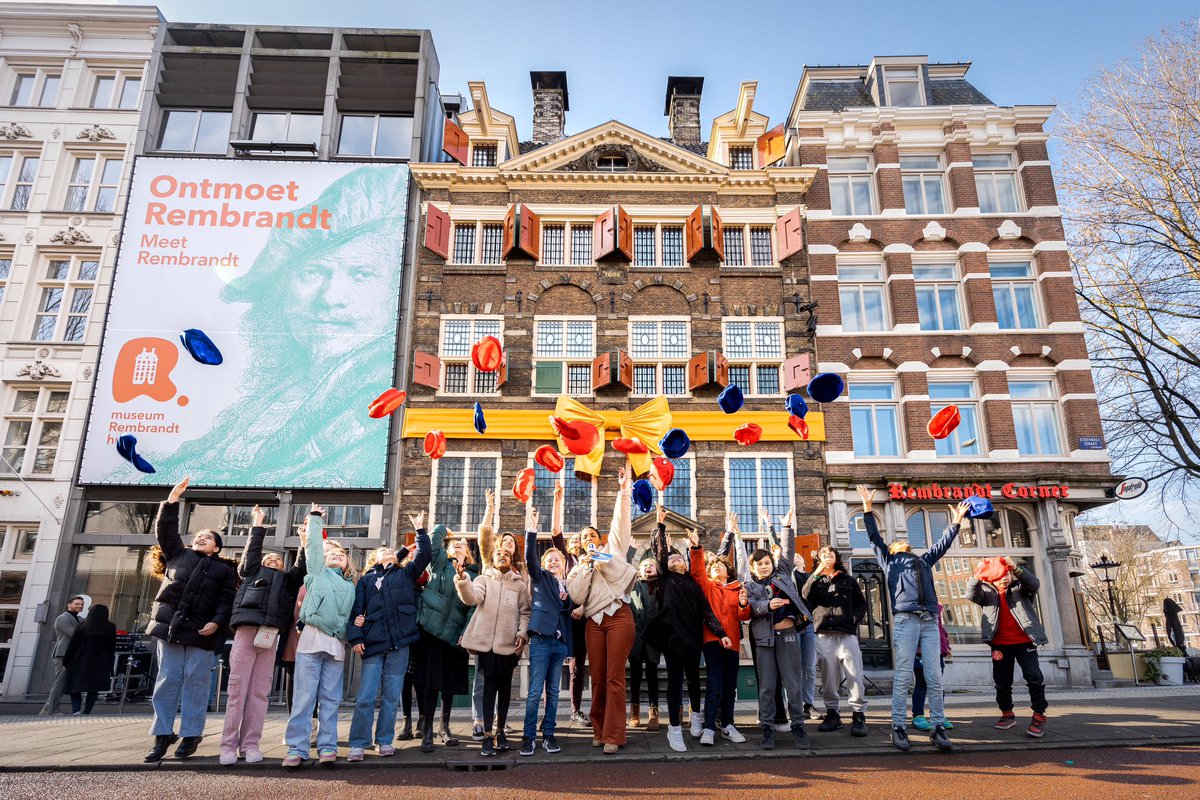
<point>613,162</point>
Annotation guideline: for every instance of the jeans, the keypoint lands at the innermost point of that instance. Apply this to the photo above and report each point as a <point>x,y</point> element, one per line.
<point>840,653</point>
<point>1004,657</point>
<point>56,691</point>
<point>919,687</point>
<point>780,663</point>
<point>318,675</point>
<point>808,664</point>
<point>912,631</point>
<point>721,666</point>
<point>386,671</point>
<point>608,646</point>
<point>182,687</point>
<point>251,670</point>
<point>546,657</point>
<point>679,668</point>
<point>477,696</point>
<point>78,705</point>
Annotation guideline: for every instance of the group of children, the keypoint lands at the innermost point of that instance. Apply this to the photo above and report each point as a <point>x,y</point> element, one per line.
<point>416,615</point>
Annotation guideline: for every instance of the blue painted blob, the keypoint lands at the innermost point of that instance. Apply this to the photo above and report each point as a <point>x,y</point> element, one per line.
<point>201,348</point>
<point>480,422</point>
<point>127,449</point>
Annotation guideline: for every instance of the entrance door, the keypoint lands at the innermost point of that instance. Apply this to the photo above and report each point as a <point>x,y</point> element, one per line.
<point>875,631</point>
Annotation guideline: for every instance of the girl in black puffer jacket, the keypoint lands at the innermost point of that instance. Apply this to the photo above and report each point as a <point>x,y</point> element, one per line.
<point>190,613</point>
<point>262,614</point>
<point>838,606</point>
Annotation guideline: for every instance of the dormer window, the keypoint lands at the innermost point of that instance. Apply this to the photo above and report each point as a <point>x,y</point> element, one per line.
<point>613,162</point>
<point>741,158</point>
<point>483,155</point>
<point>903,86</point>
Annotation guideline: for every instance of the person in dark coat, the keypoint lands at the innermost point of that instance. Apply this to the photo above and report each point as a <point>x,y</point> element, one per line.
<point>838,607</point>
<point>191,612</point>
<point>89,660</point>
<point>643,658</point>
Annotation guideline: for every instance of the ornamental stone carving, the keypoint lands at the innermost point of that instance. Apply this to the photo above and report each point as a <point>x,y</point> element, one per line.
<point>635,162</point>
<point>76,37</point>
<point>38,370</point>
<point>96,133</point>
<point>859,233</point>
<point>1009,230</point>
<point>933,232</point>
<point>13,130</point>
<point>69,236</point>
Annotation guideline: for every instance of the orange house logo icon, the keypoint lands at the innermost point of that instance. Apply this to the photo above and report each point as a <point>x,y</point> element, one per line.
<point>144,368</point>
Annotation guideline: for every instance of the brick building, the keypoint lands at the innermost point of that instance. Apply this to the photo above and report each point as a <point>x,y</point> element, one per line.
<point>615,266</point>
<point>936,252</point>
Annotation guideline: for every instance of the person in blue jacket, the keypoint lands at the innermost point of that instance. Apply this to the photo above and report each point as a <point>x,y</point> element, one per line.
<point>549,633</point>
<point>383,626</point>
<point>914,619</point>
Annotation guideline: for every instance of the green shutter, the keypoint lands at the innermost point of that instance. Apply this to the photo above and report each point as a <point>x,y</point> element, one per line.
<point>547,377</point>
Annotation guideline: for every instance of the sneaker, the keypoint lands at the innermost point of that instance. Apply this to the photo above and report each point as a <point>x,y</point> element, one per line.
<point>707,737</point>
<point>528,747</point>
<point>1037,726</point>
<point>697,724</point>
<point>327,757</point>
<point>947,724</point>
<point>768,737</point>
<point>733,734</point>
<point>800,737</point>
<point>228,758</point>
<point>356,754</point>
<point>832,721</point>
<point>579,718</point>
<point>550,745</point>
<point>502,741</point>
<point>611,749</point>
<point>1007,720</point>
<point>940,740</point>
<point>385,750</point>
<point>810,711</point>
<point>858,724</point>
<point>783,727</point>
<point>254,756</point>
<point>922,723</point>
<point>900,739</point>
<point>675,738</point>
<point>477,732</point>
<point>293,760</point>
<point>486,749</point>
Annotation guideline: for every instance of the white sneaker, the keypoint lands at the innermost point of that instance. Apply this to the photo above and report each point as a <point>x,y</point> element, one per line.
<point>228,758</point>
<point>708,737</point>
<point>782,727</point>
<point>697,724</point>
<point>733,734</point>
<point>675,738</point>
<point>254,756</point>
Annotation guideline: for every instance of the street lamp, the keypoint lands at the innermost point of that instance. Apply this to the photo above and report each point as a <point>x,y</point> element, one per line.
<point>1106,570</point>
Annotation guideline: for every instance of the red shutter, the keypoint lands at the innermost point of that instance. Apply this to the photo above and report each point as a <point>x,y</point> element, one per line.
<point>522,232</point>
<point>720,369</point>
<point>770,147</point>
<point>789,230</point>
<point>502,372</point>
<point>509,239</point>
<point>601,371</point>
<point>796,372</point>
<point>427,369</point>
<point>697,371</point>
<point>693,232</point>
<point>455,142</point>
<point>718,232</point>
<point>437,231</point>
<point>604,235</point>
<point>624,369</point>
<point>624,234</point>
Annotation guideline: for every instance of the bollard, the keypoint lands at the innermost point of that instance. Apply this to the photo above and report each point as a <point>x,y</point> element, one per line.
<point>125,685</point>
<point>220,675</point>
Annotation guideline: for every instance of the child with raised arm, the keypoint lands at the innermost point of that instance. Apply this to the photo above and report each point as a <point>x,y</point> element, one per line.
<point>838,606</point>
<point>384,626</point>
<point>549,633</point>
<point>644,657</point>
<point>321,649</point>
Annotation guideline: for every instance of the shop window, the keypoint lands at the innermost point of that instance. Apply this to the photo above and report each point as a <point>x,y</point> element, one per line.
<point>458,489</point>
<point>231,521</point>
<point>118,577</point>
<point>752,482</point>
<point>341,522</point>
<point>579,497</point>
<point>120,518</point>
<point>563,351</point>
<point>459,335</point>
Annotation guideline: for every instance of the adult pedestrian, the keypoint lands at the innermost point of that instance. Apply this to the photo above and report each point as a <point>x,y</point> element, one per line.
<point>89,660</point>
<point>64,626</point>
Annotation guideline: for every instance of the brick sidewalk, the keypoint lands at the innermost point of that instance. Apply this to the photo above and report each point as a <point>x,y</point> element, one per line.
<point>1080,718</point>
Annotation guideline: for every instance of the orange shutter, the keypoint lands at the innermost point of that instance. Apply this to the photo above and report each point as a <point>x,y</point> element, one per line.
<point>718,232</point>
<point>697,371</point>
<point>455,142</point>
<point>789,230</point>
<point>509,239</point>
<point>502,371</point>
<point>720,369</point>
<point>770,147</point>
<point>624,369</point>
<point>806,545</point>
<point>427,369</point>
<point>604,235</point>
<point>601,371</point>
<point>437,231</point>
<point>693,232</point>
<point>624,234</point>
<point>796,372</point>
<point>522,232</point>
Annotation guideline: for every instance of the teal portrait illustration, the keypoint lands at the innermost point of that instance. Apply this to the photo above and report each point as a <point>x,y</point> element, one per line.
<point>317,335</point>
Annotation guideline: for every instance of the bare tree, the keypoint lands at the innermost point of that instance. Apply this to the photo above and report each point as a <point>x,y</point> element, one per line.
<point>1131,187</point>
<point>1134,591</point>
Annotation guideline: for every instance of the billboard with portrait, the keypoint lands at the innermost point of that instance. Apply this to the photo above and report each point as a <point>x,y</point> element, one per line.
<point>252,320</point>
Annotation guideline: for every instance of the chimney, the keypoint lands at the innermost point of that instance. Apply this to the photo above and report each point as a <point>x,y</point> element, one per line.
<point>550,106</point>
<point>683,109</point>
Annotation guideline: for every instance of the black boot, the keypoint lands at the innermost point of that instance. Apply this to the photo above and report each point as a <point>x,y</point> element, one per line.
<point>444,735</point>
<point>800,737</point>
<point>768,737</point>
<point>832,721</point>
<point>159,751</point>
<point>406,733</point>
<point>187,746</point>
<point>858,724</point>
<point>426,736</point>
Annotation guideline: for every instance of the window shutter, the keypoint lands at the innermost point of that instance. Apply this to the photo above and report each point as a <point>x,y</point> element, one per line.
<point>548,377</point>
<point>770,147</point>
<point>601,370</point>
<point>604,235</point>
<point>508,238</point>
<point>624,369</point>
<point>455,142</point>
<point>796,372</point>
<point>437,231</point>
<point>522,232</point>
<point>624,234</point>
<point>718,232</point>
<point>427,369</point>
<point>693,232</point>
<point>720,369</point>
<point>697,371</point>
<point>502,372</point>
<point>789,230</point>
<point>704,231</point>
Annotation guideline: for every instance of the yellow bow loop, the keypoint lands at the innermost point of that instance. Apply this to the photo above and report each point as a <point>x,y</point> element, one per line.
<point>649,422</point>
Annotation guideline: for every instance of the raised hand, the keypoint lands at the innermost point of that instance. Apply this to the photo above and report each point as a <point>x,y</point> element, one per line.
<point>661,515</point>
<point>558,490</point>
<point>418,522</point>
<point>731,522</point>
<point>459,570</point>
<point>316,509</point>
<point>788,520</point>
<point>622,478</point>
<point>532,516</point>
<point>764,516</point>
<point>867,494</point>
<point>693,538</point>
<point>177,491</point>
<point>257,517</point>
<point>959,512</point>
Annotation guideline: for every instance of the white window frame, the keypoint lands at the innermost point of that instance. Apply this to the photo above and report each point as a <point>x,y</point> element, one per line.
<point>38,418</point>
<point>569,227</point>
<point>374,135</point>
<point>890,77</point>
<point>1053,403</point>
<point>465,528</point>
<point>751,527</point>
<point>851,177</point>
<point>1031,281</point>
<point>922,174</point>
<point>11,181</point>
<point>691,460</point>
<point>199,112</point>
<point>6,262</point>
<point>545,521</point>
<point>456,360</point>
<point>742,148</point>
<point>756,360</point>
<point>658,262</point>
<point>874,405</point>
<point>860,285</point>
<point>991,173</point>
<point>69,286</point>
<point>566,361</point>
<point>11,564</point>
<point>36,94</point>
<point>120,78</point>
<point>939,284</point>
<point>483,145</point>
<point>747,249</point>
<point>477,256</point>
<point>659,362</point>
<point>95,185</point>
<point>973,402</point>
